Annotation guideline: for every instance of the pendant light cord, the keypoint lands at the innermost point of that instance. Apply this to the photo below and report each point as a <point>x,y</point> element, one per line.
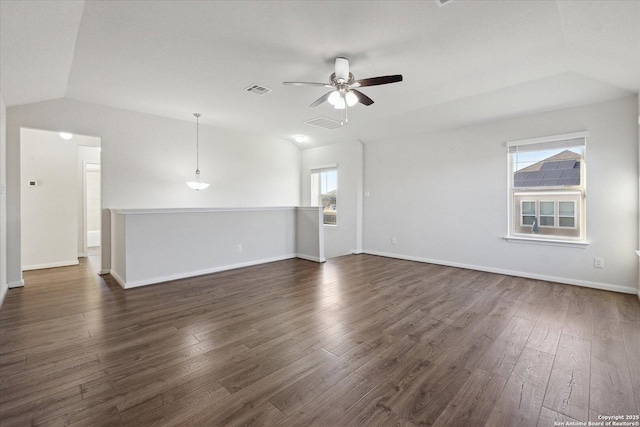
<point>197,184</point>
<point>197,143</point>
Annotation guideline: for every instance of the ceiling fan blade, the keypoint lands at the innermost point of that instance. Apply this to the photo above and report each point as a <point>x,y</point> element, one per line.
<point>374,81</point>
<point>362,98</point>
<point>342,69</point>
<point>306,84</point>
<point>321,99</point>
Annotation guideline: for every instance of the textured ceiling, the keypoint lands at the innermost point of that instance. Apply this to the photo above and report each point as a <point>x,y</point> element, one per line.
<point>463,63</point>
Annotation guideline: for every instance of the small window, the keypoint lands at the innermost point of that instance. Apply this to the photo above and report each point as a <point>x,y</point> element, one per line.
<point>547,187</point>
<point>324,192</point>
<point>528,209</point>
<point>567,214</point>
<point>547,214</point>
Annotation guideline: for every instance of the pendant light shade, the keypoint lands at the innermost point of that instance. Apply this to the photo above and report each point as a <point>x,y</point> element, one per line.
<point>197,184</point>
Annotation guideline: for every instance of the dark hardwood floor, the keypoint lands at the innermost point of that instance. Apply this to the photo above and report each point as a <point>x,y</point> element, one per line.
<point>359,340</point>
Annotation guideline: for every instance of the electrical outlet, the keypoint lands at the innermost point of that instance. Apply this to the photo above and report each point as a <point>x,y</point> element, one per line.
<point>394,241</point>
<point>239,248</point>
<point>598,262</point>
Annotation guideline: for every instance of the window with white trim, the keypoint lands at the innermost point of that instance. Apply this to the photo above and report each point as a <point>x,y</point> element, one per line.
<point>324,192</point>
<point>547,178</point>
<point>567,214</point>
<point>547,214</point>
<point>528,212</point>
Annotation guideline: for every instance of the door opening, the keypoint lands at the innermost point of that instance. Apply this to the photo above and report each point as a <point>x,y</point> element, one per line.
<point>53,168</point>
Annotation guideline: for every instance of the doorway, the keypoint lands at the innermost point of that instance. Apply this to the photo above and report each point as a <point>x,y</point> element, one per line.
<point>53,172</point>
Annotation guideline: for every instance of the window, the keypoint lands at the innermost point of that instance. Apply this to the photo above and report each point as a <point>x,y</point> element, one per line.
<point>567,214</point>
<point>547,188</point>
<point>528,210</point>
<point>547,214</point>
<point>324,192</point>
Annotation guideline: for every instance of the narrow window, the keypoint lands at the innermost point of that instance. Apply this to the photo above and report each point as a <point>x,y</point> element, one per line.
<point>547,214</point>
<point>324,192</point>
<point>567,214</point>
<point>528,209</point>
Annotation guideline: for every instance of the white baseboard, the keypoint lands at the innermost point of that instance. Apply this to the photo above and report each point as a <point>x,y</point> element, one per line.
<point>119,279</point>
<point>311,258</point>
<point>50,265</point>
<point>103,272</point>
<point>3,293</point>
<point>161,279</point>
<point>568,281</point>
<point>18,284</point>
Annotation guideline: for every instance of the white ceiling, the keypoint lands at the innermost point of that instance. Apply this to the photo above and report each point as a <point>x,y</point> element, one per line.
<point>463,63</point>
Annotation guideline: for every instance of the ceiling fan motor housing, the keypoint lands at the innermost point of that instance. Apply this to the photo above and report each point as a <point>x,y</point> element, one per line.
<point>337,81</point>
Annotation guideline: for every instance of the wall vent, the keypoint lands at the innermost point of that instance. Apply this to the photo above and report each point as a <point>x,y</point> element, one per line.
<point>443,2</point>
<point>324,122</point>
<point>258,90</point>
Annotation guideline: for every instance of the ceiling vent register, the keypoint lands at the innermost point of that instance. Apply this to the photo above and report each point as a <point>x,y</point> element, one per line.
<point>324,122</point>
<point>258,90</point>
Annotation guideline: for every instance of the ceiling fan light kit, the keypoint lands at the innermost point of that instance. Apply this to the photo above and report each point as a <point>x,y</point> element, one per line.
<point>344,93</point>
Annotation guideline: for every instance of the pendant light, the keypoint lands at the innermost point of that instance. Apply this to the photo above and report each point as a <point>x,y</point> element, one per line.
<point>197,184</point>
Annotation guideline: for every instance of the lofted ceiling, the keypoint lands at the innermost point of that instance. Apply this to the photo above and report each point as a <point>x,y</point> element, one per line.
<point>465,62</point>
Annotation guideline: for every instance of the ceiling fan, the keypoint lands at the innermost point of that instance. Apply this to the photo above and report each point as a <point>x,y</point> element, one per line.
<point>345,91</point>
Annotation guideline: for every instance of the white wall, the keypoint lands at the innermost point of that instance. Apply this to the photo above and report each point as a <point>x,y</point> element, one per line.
<point>3,200</point>
<point>86,155</point>
<point>443,196</point>
<point>346,237</point>
<point>146,159</point>
<point>160,245</point>
<point>310,234</point>
<point>49,218</point>
<point>92,183</point>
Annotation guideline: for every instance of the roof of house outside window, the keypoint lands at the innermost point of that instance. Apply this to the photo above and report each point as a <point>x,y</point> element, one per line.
<point>559,170</point>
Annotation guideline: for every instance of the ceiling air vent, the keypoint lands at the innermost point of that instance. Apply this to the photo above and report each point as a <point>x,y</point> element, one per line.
<point>258,90</point>
<point>324,122</point>
<point>443,2</point>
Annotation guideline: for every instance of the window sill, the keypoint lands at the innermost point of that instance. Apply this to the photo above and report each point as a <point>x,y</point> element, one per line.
<point>547,242</point>
<point>330,225</point>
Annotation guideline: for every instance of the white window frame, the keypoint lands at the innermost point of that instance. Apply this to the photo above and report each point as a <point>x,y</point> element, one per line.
<point>314,175</point>
<point>522,215</point>
<point>540,202</point>
<point>575,220</point>
<point>556,216</point>
<point>579,223</point>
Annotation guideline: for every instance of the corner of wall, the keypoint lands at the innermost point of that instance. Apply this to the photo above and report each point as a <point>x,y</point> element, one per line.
<point>3,293</point>
<point>4,284</point>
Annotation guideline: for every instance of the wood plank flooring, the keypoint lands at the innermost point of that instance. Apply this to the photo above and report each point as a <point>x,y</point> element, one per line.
<point>359,340</point>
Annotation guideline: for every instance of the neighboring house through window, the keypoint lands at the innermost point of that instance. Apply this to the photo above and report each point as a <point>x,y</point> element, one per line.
<point>324,192</point>
<point>547,179</point>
